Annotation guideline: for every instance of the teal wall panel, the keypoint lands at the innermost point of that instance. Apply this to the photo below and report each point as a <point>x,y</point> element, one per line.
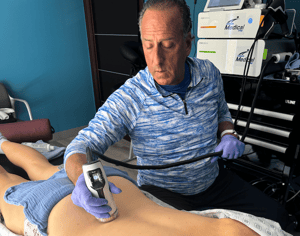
<point>44,59</point>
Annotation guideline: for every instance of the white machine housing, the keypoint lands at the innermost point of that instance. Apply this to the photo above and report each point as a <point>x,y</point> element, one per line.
<point>226,36</point>
<point>229,24</point>
<point>242,24</point>
<point>229,55</point>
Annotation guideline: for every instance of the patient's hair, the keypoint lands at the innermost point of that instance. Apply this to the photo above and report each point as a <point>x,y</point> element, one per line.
<point>165,4</point>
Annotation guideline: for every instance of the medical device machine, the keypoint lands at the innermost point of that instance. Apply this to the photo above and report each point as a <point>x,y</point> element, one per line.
<point>250,42</point>
<point>97,183</point>
<point>230,56</point>
<point>227,33</point>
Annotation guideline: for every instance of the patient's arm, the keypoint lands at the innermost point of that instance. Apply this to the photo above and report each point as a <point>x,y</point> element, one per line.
<point>36,166</point>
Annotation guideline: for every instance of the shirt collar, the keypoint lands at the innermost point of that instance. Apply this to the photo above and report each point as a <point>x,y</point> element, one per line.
<point>194,80</point>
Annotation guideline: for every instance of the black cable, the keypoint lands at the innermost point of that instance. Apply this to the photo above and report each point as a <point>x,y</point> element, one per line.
<point>255,97</point>
<point>257,181</point>
<point>247,154</point>
<point>157,167</point>
<point>296,38</point>
<point>295,195</point>
<point>246,71</point>
<point>245,74</point>
<point>268,3</point>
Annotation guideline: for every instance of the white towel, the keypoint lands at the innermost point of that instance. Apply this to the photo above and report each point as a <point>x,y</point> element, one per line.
<point>3,116</point>
<point>57,152</point>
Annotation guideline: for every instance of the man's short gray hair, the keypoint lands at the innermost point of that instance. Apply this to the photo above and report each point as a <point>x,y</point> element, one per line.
<point>165,4</point>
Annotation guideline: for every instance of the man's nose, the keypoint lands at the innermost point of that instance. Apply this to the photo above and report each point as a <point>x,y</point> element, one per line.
<point>158,56</point>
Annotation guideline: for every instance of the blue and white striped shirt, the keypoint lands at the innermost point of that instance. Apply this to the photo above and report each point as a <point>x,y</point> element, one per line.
<point>163,127</point>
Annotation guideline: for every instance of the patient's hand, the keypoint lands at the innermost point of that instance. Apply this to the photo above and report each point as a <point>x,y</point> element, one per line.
<point>82,197</point>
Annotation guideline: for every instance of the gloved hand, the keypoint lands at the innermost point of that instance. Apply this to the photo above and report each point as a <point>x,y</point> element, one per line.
<point>82,197</point>
<point>231,146</point>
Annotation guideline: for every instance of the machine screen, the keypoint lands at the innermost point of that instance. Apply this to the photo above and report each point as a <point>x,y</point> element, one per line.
<point>223,3</point>
<point>215,5</point>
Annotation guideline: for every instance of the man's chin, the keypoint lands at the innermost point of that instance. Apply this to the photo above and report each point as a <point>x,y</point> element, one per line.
<point>162,79</point>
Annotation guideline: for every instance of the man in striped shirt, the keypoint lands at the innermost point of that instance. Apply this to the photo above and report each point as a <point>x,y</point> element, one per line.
<point>173,110</point>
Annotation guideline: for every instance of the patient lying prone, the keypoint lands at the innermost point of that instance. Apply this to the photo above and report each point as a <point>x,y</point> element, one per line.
<point>138,215</point>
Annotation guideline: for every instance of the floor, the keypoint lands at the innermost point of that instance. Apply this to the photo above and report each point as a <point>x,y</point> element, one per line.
<point>119,151</point>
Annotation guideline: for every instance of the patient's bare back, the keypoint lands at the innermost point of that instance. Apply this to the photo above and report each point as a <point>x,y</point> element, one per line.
<point>137,216</point>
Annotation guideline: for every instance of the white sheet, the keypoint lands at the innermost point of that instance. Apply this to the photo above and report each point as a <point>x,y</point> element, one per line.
<point>6,232</point>
<point>262,226</point>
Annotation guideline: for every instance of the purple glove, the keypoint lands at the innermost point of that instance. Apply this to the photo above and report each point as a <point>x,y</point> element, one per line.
<point>82,197</point>
<point>231,146</point>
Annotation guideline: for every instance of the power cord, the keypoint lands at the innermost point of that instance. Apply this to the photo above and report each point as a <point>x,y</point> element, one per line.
<point>274,186</point>
<point>272,60</point>
<point>257,181</point>
<point>246,155</point>
<point>158,167</point>
<point>246,71</point>
<point>295,195</point>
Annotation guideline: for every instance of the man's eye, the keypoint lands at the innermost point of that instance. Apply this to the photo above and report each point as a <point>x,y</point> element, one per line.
<point>168,45</point>
<point>148,46</point>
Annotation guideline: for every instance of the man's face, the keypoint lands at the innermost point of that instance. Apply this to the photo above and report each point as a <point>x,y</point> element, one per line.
<point>164,47</point>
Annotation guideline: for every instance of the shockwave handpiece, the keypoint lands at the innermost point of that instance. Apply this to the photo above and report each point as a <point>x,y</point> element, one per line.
<point>97,183</point>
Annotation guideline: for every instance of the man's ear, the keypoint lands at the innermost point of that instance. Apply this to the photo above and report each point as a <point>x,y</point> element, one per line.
<point>188,42</point>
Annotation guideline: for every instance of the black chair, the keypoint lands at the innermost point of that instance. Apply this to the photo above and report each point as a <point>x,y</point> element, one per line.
<point>134,54</point>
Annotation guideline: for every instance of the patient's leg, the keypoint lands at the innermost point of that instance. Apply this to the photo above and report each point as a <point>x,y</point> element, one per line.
<point>37,168</point>
<point>34,163</point>
<point>12,214</point>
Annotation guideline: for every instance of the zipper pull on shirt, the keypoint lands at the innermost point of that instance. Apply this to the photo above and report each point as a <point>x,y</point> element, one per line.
<point>185,107</point>
<point>180,88</point>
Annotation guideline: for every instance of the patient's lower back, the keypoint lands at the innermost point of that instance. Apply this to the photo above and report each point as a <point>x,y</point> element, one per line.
<point>137,216</point>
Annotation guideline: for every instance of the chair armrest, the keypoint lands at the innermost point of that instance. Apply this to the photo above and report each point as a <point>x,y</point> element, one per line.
<point>13,100</point>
